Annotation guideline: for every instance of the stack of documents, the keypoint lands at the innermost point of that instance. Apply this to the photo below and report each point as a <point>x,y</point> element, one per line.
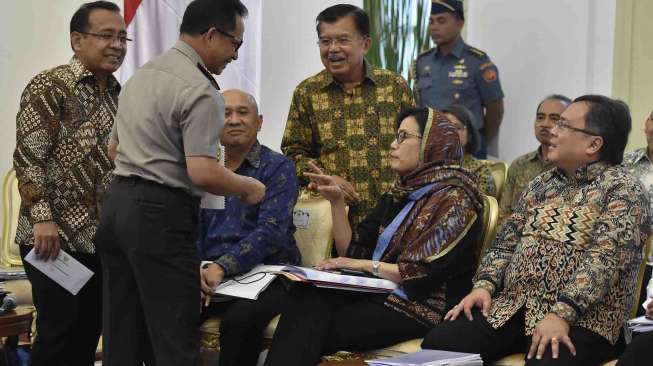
<point>333,280</point>
<point>252,283</point>
<point>641,324</point>
<point>12,273</point>
<point>430,357</point>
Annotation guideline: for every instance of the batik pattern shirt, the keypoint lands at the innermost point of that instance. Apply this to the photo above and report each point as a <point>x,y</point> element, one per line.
<point>482,172</point>
<point>243,236</point>
<point>522,170</point>
<point>348,132</point>
<point>61,162</point>
<point>572,246</point>
<point>640,165</point>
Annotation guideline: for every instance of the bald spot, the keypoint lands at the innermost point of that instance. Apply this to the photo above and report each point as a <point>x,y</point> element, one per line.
<point>237,93</point>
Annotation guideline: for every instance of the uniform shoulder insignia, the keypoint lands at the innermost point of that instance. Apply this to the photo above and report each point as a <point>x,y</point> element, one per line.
<point>478,53</point>
<point>426,52</point>
<point>208,76</point>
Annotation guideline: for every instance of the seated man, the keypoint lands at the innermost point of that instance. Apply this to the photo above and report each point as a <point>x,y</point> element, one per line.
<point>242,236</point>
<point>530,165</point>
<point>557,284</point>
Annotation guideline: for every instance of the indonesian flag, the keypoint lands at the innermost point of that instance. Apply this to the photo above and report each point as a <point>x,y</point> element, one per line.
<point>153,25</point>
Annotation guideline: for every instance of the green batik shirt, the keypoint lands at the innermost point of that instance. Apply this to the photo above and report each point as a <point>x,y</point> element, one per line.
<point>348,132</point>
<point>522,170</point>
<point>640,165</point>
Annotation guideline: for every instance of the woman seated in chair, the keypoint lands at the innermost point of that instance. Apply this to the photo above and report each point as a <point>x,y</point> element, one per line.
<point>463,121</point>
<point>422,235</point>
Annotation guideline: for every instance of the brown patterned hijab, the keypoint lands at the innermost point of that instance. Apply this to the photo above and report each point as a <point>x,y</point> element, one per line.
<point>440,158</point>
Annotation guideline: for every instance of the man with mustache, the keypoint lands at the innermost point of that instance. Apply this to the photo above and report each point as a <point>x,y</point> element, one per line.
<point>242,236</point>
<point>62,168</point>
<point>342,118</point>
<point>528,166</point>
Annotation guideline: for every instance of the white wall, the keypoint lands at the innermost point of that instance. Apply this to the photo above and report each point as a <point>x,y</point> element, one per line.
<point>542,47</point>
<point>289,54</point>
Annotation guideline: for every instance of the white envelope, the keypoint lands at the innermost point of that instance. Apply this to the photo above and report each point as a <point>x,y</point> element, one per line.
<point>64,270</point>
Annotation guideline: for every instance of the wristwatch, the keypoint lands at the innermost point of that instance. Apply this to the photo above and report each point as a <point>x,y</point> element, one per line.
<point>375,268</point>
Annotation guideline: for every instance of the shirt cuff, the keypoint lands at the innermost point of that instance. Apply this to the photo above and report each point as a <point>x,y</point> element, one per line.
<point>40,212</point>
<point>485,285</point>
<point>229,264</point>
<point>565,311</point>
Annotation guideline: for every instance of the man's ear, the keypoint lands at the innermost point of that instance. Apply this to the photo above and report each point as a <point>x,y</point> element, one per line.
<point>595,146</point>
<point>367,43</point>
<point>75,41</point>
<point>260,122</point>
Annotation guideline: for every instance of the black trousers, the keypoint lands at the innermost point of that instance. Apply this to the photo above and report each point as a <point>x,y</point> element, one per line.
<point>67,326</point>
<point>478,336</point>
<point>146,240</point>
<point>319,322</point>
<point>243,322</point>
<point>638,351</point>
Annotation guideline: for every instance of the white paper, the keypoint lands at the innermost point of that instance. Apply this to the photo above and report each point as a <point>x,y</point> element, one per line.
<point>209,200</point>
<point>301,218</point>
<point>64,270</point>
<point>248,285</point>
<point>646,302</point>
<point>429,358</point>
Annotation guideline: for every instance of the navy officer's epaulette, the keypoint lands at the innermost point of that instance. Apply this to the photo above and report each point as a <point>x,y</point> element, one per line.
<point>426,52</point>
<point>476,52</point>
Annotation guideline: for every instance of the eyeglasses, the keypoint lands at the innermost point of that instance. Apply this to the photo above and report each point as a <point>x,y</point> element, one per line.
<point>235,41</point>
<point>401,136</point>
<point>560,124</point>
<point>108,37</point>
<point>344,42</point>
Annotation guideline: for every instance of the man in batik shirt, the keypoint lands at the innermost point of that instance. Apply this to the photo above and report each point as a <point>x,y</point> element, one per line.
<point>343,117</point>
<point>558,282</point>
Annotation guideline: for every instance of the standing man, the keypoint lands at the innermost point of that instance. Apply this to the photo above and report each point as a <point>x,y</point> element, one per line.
<point>343,117</point>
<point>528,166</point>
<point>242,236</point>
<point>558,282</point>
<point>456,73</point>
<point>62,168</point>
<point>167,129</point>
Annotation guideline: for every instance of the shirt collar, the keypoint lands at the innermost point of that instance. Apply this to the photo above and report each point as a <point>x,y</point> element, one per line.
<point>189,52</point>
<point>368,75</point>
<point>585,173</point>
<point>536,155</point>
<point>82,73</point>
<point>457,49</point>
<point>253,157</point>
<point>639,154</point>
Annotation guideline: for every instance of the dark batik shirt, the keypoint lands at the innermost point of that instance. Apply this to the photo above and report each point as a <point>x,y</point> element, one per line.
<point>572,246</point>
<point>61,162</point>
<point>242,236</point>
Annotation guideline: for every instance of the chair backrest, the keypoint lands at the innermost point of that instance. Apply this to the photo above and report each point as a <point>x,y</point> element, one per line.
<point>313,223</point>
<point>9,252</point>
<point>640,277</point>
<point>500,174</point>
<point>490,219</point>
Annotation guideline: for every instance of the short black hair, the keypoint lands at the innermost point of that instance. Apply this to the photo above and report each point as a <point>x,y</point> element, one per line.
<point>79,21</point>
<point>559,97</point>
<point>467,119</point>
<point>420,114</point>
<point>334,13</point>
<point>201,15</point>
<point>610,119</point>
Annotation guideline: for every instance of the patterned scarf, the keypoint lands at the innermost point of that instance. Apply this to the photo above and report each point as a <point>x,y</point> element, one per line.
<point>440,158</point>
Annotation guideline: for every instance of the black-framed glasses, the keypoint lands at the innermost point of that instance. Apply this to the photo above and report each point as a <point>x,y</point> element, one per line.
<point>235,41</point>
<point>401,136</point>
<point>109,37</point>
<point>560,124</point>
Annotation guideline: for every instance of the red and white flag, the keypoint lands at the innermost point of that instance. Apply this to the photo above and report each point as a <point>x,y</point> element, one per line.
<point>153,25</point>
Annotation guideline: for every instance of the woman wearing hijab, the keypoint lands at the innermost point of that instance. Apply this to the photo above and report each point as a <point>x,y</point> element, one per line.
<point>422,235</point>
<point>463,120</point>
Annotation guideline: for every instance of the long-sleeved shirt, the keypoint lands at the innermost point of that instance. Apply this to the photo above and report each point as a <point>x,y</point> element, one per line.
<point>61,162</point>
<point>640,165</point>
<point>348,132</point>
<point>572,246</point>
<point>242,236</point>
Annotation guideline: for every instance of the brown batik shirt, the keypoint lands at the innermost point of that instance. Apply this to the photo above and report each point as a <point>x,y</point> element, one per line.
<point>61,162</point>
<point>572,247</point>
<point>348,132</point>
